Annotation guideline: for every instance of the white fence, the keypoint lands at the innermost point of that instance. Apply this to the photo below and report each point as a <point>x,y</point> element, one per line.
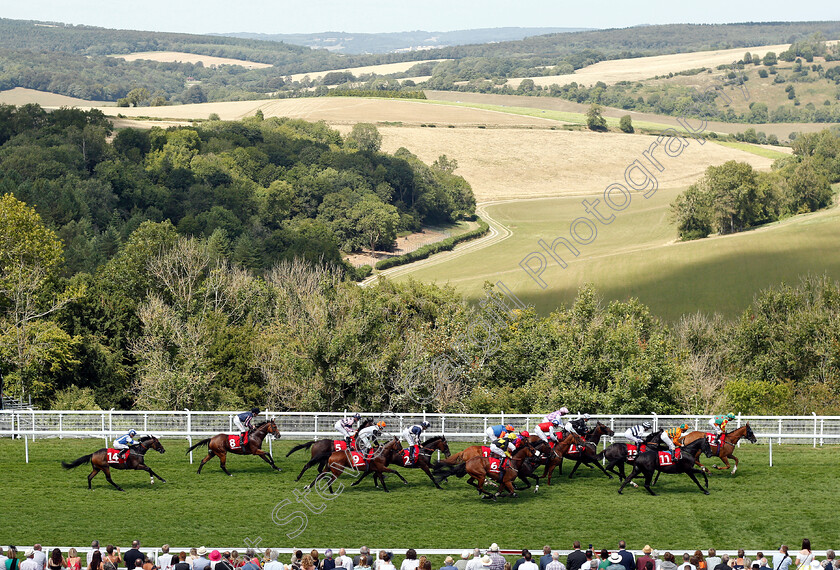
<point>814,430</point>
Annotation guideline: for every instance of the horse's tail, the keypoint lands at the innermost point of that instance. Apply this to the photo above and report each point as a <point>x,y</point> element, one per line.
<point>199,444</point>
<point>459,470</point>
<point>80,461</point>
<point>452,459</point>
<point>306,445</point>
<point>600,455</point>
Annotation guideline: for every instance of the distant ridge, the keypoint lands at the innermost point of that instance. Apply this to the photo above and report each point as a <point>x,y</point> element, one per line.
<point>390,42</point>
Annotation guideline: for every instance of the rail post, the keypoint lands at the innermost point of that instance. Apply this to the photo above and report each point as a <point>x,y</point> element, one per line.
<point>815,428</point>
<point>771,450</point>
<point>485,430</point>
<point>822,432</point>
<point>60,426</point>
<point>315,435</point>
<point>26,446</point>
<point>738,423</point>
<point>189,432</point>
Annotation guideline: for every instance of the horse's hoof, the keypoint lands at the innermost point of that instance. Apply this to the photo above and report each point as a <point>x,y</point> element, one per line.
<point>514,495</point>
<point>634,485</point>
<point>536,488</point>
<point>705,492</point>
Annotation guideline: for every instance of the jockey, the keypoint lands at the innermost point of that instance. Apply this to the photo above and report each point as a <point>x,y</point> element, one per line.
<point>411,435</point>
<point>495,432</point>
<point>636,433</point>
<point>674,435</point>
<point>245,422</point>
<point>366,439</point>
<point>718,424</point>
<point>124,442</point>
<point>557,415</point>
<point>502,448</point>
<point>578,426</point>
<point>344,426</point>
<point>521,439</point>
<point>545,430</point>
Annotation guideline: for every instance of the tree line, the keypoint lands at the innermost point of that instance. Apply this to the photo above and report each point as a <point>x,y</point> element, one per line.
<point>734,197</point>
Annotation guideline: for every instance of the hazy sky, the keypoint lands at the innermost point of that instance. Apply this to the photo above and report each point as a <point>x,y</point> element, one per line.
<point>286,16</point>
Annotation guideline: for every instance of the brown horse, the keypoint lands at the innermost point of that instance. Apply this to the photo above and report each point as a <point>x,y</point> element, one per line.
<point>320,450</point>
<point>478,468</point>
<point>587,453</point>
<point>376,461</point>
<point>723,451</point>
<point>219,445</point>
<point>134,460</point>
<point>553,456</point>
<point>463,456</point>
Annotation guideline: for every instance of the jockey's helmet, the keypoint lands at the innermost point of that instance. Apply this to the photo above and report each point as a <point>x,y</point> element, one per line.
<point>585,417</point>
<point>425,425</point>
<point>524,433</point>
<point>564,410</point>
<point>730,415</point>
<point>132,432</point>
<point>683,426</point>
<point>509,428</point>
<point>380,425</point>
<point>357,416</point>
<point>255,411</point>
<point>555,422</point>
<point>647,425</point>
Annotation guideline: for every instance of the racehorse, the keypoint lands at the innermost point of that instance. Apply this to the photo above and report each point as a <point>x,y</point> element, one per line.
<point>320,450</point>
<point>375,461</point>
<point>551,456</point>
<point>220,445</point>
<point>617,454</point>
<point>723,451</point>
<point>99,460</point>
<point>587,453</point>
<point>479,467</point>
<point>649,462</point>
<point>423,461</point>
<point>463,456</point>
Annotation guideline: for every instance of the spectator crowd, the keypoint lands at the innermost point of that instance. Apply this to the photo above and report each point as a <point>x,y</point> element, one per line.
<point>112,558</point>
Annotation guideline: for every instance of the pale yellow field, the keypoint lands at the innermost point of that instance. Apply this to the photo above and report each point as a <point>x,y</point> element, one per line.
<point>338,111</point>
<point>514,163</point>
<point>22,96</point>
<point>635,69</point>
<point>382,69</point>
<point>183,57</point>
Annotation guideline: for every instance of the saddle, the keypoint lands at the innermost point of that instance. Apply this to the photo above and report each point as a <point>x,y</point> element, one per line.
<point>361,460</point>
<point>116,456</point>
<point>666,459</point>
<point>236,441</point>
<point>634,450</point>
<point>341,445</point>
<point>485,451</point>
<point>497,465</point>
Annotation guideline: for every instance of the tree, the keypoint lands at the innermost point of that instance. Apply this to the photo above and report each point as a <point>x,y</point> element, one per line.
<point>692,213</point>
<point>30,258</point>
<point>194,94</point>
<point>365,137</point>
<point>137,96</point>
<point>375,221</point>
<point>444,164</point>
<point>594,120</point>
<point>769,59</point>
<point>626,124</point>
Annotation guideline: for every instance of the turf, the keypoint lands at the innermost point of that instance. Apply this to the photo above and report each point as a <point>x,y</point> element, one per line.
<point>757,508</point>
<point>754,149</point>
<point>638,255</point>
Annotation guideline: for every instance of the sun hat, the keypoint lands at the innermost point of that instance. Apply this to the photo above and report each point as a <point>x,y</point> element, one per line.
<point>815,564</point>
<point>647,549</point>
<point>465,554</point>
<point>201,551</point>
<point>486,560</point>
<point>29,552</point>
<point>215,556</point>
<point>494,547</point>
<point>615,558</point>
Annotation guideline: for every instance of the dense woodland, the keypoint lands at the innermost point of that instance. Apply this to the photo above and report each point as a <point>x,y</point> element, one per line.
<point>734,197</point>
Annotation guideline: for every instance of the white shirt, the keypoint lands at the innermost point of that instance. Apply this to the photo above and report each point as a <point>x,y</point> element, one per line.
<point>531,566</point>
<point>273,565</point>
<point>687,566</point>
<point>473,564</point>
<point>409,564</point>
<point>41,558</point>
<point>164,561</point>
<point>344,561</point>
<point>30,564</point>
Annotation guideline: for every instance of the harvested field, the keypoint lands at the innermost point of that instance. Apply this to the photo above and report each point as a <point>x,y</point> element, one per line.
<point>340,111</point>
<point>22,96</point>
<point>513,164</point>
<point>635,69</point>
<point>183,57</point>
<point>382,69</point>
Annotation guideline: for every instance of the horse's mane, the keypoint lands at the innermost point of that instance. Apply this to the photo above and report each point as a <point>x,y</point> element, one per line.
<point>435,439</point>
<point>145,438</point>
<point>261,424</point>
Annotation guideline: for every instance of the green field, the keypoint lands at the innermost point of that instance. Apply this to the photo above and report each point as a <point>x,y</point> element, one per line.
<point>757,508</point>
<point>637,255</point>
<point>754,149</point>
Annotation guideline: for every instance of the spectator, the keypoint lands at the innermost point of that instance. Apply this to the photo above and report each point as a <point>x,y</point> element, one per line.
<point>182,563</point>
<point>165,561</point>
<point>591,563</point>
<point>270,562</point>
<point>56,560</point>
<point>379,558</point>
<point>520,560</point>
<point>555,563</point>
<point>94,547</point>
<point>308,563</point>
<point>576,558</point>
<point>724,563</point>
<point>668,562</point>
<point>425,563</point>
<point>694,561</point>
<point>475,561</point>
<point>386,563</point>
<point>497,561</point>
<point>112,558</point>
<point>759,557</point>
<point>148,564</point>
<point>701,562</point>
<point>235,560</point>
<point>421,562</point>
<point>138,563</point>
<point>362,551</point>
<point>627,559</point>
<point>449,563</point>
<point>74,561</point>
<point>545,559</point>
<point>215,558</point>
<point>803,560</point>
<point>29,562</point>
<point>226,564</point>
<point>410,562</point>
<point>254,564</point>
<point>363,563</point>
<point>343,560</point>
<point>193,557</point>
<point>828,563</point>
<point>603,559</point>
<point>314,554</point>
<point>328,563</point>
<point>133,554</point>
<point>741,561</point>
<point>712,560</point>
<point>615,562</point>
<point>764,565</point>
<point>529,564</point>
<point>645,557</point>
<point>40,557</point>
<point>3,559</point>
<point>687,565</point>
<point>95,561</point>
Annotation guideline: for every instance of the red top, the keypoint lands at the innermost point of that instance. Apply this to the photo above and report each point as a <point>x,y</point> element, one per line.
<point>545,426</point>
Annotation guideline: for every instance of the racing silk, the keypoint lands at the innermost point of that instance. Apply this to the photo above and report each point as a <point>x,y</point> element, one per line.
<point>412,434</point>
<point>497,430</point>
<point>502,447</point>
<point>638,431</point>
<point>577,426</point>
<point>675,434</point>
<point>721,422</point>
<point>366,438</point>
<point>545,431</point>
<point>345,426</point>
<point>124,442</point>
<point>247,419</point>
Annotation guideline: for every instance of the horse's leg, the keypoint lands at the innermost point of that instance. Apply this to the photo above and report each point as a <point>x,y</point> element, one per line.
<point>91,476</point>
<point>222,461</point>
<point>210,456</point>
<point>425,468</point>
<point>152,474</point>
<point>629,479</point>
<point>734,469</point>
<point>705,476</point>
<point>381,478</point>
<point>575,468</point>
<point>690,473</point>
<point>265,456</point>
<point>321,463</point>
<point>725,462</point>
<point>549,469</point>
<point>360,479</point>
<point>389,470</point>
<point>107,472</point>
<point>658,473</point>
<point>601,467</point>
<point>648,477</point>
